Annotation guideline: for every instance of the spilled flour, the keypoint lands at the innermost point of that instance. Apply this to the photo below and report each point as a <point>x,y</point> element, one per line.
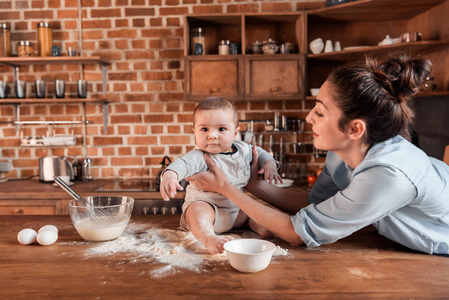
<point>175,248</point>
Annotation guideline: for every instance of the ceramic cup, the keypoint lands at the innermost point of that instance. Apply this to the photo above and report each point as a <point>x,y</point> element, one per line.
<point>328,48</point>
<point>317,45</point>
<point>4,89</point>
<point>81,87</point>
<point>59,88</point>
<point>41,88</point>
<point>21,89</point>
<point>337,46</point>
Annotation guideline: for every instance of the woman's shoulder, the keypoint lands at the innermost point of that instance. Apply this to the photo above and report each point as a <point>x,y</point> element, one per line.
<point>398,153</point>
<point>395,150</point>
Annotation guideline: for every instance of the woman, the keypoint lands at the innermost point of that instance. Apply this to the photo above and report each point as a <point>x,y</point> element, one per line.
<point>372,174</point>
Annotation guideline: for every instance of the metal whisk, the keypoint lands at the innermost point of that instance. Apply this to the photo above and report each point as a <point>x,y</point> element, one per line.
<point>92,211</point>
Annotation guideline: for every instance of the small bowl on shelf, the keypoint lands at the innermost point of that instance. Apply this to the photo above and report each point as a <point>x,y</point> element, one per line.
<point>249,255</point>
<point>314,92</point>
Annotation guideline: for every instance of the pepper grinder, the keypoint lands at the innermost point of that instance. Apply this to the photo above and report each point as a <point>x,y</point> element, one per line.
<point>86,169</point>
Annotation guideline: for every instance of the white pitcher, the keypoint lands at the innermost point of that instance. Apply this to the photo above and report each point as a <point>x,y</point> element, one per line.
<point>317,45</point>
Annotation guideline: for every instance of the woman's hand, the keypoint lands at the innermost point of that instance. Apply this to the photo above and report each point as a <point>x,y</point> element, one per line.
<point>254,179</point>
<point>213,180</point>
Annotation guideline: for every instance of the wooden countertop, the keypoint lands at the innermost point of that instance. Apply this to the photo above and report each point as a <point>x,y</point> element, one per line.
<point>364,265</point>
<point>35,190</point>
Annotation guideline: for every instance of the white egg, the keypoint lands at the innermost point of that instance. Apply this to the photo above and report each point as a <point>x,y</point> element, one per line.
<point>27,236</point>
<point>47,237</point>
<point>50,227</point>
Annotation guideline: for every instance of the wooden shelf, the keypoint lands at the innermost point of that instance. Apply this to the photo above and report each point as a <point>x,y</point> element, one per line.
<point>432,94</point>
<point>69,60</point>
<point>419,95</point>
<point>53,101</point>
<point>351,54</point>
<point>373,10</point>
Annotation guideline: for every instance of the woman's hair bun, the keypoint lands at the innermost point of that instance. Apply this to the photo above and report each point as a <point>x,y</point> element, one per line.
<point>403,75</point>
<point>379,93</point>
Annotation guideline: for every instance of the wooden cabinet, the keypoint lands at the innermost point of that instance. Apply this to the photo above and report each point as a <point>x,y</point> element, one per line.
<point>214,76</point>
<point>359,26</point>
<point>245,76</point>
<point>274,76</point>
<point>33,207</point>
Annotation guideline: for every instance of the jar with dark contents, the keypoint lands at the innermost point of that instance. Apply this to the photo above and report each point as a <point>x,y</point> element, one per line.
<point>197,41</point>
<point>25,49</point>
<point>5,40</point>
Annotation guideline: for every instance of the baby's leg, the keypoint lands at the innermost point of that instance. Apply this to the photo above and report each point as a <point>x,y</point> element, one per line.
<point>260,230</point>
<point>242,219</point>
<point>200,218</point>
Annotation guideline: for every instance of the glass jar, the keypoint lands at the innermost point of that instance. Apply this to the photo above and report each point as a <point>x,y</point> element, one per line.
<point>197,41</point>
<point>223,48</point>
<point>5,40</point>
<point>25,48</point>
<point>428,85</point>
<point>86,169</point>
<point>44,39</point>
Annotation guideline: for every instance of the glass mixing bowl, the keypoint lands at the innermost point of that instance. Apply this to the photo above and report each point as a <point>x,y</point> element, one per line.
<point>93,225</point>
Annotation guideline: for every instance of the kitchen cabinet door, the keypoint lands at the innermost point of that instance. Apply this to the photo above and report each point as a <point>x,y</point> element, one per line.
<point>33,207</point>
<point>214,76</point>
<point>277,76</point>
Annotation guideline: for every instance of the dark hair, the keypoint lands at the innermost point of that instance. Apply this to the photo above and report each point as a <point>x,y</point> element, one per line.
<point>380,94</point>
<point>214,103</point>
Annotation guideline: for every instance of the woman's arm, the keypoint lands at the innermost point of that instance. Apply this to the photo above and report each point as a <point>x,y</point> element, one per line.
<point>279,223</point>
<point>284,199</point>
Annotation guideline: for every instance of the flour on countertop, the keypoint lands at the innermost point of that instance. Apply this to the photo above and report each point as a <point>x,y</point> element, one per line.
<point>175,248</point>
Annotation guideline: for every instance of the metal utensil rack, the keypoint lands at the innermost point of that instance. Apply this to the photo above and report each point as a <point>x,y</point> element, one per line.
<point>15,62</point>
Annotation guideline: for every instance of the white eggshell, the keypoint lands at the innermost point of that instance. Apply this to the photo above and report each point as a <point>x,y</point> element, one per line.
<point>50,227</point>
<point>27,236</point>
<point>47,237</point>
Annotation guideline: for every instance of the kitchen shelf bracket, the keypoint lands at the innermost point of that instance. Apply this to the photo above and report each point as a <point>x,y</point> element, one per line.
<point>105,107</point>
<point>50,122</point>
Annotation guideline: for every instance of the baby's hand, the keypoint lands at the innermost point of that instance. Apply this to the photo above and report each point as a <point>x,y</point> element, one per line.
<point>169,185</point>
<point>270,172</point>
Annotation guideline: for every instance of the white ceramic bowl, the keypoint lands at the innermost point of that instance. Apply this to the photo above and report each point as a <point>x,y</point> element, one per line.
<point>249,255</point>
<point>102,228</point>
<point>314,92</point>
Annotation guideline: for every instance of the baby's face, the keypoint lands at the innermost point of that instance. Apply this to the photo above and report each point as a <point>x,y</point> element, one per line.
<point>215,130</point>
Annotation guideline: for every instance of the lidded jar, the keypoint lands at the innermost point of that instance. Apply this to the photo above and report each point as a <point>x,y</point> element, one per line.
<point>24,48</point>
<point>5,40</point>
<point>44,39</point>
<point>223,48</point>
<point>428,85</point>
<point>197,41</point>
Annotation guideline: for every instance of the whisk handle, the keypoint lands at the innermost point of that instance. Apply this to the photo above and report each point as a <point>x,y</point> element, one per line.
<point>66,188</point>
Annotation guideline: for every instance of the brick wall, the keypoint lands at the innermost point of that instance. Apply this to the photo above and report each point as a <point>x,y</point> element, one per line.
<point>143,40</point>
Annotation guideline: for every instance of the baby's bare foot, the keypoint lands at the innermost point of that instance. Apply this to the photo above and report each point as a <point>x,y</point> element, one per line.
<point>214,244</point>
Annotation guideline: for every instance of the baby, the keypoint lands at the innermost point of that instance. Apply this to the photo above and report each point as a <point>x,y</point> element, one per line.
<point>207,214</point>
